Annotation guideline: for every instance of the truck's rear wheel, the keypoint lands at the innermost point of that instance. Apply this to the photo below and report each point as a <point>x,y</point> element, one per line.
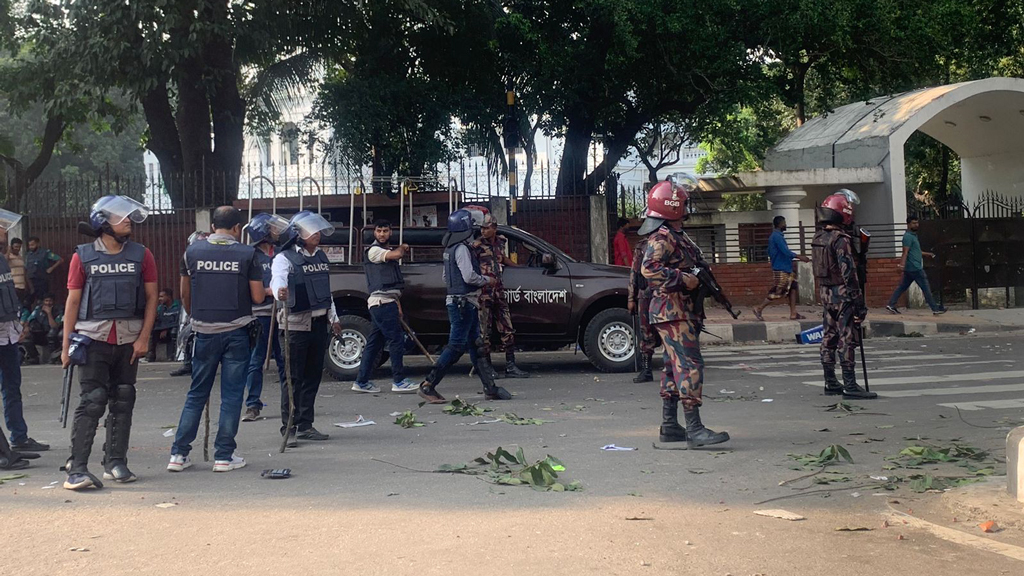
<point>346,351</point>
<point>609,340</point>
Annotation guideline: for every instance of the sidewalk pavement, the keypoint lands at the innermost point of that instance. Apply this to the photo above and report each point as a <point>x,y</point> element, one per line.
<point>777,326</point>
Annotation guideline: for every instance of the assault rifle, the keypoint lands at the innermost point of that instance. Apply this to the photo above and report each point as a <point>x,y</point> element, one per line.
<point>709,286</point>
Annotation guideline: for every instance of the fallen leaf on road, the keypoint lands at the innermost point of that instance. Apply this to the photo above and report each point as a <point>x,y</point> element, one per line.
<point>988,527</point>
<point>167,505</point>
<point>780,514</point>
<point>639,518</point>
<point>698,471</point>
<point>853,529</point>
<point>78,550</point>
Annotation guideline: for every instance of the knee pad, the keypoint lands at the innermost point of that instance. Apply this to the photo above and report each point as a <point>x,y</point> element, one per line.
<point>95,402</point>
<point>124,398</point>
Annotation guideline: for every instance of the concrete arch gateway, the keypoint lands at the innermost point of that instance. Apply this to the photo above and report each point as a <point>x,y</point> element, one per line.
<point>860,146</point>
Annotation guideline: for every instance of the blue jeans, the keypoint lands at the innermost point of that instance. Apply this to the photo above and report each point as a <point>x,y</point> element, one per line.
<point>10,386</point>
<point>230,350</point>
<point>254,380</point>
<point>386,326</point>
<point>909,277</point>
<point>465,329</point>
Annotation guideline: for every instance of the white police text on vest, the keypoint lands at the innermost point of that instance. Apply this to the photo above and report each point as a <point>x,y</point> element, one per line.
<point>8,277</point>
<point>211,266</point>
<point>310,268</point>
<point>112,268</point>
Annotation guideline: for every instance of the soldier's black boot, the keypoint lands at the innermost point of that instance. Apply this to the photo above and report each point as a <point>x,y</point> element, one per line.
<point>185,370</point>
<point>852,390</point>
<point>696,434</point>
<point>645,374</point>
<point>671,431</point>
<point>832,385</point>
<point>511,370</point>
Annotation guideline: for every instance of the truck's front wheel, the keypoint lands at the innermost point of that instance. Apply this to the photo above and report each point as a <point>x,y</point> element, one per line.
<point>609,340</point>
<point>346,351</point>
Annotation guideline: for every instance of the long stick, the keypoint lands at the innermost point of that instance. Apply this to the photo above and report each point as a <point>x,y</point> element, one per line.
<point>416,340</point>
<point>270,337</point>
<point>863,360</point>
<point>206,433</point>
<point>636,347</point>
<point>288,379</point>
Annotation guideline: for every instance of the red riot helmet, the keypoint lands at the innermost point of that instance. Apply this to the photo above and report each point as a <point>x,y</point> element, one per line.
<point>838,208</point>
<point>666,201</point>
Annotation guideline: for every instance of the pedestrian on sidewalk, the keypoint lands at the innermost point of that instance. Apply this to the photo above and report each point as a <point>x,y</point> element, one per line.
<point>675,313</point>
<point>384,282</point>
<point>839,290</point>
<point>623,255</point>
<point>39,265</point>
<point>10,357</point>
<point>638,302</point>
<point>301,277</point>
<point>168,314</point>
<point>489,250</point>
<point>112,297</point>
<point>912,265</point>
<point>221,283</point>
<point>263,230</point>
<point>784,285</point>
<point>22,284</point>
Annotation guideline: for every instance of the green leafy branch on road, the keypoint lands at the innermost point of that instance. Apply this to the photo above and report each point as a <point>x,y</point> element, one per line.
<point>829,455</point>
<point>408,420</point>
<point>502,467</point>
<point>516,420</point>
<point>974,461</point>
<point>459,407</point>
<point>10,477</point>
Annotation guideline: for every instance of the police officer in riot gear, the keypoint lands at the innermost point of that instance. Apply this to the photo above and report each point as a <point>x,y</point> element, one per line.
<point>223,282</point>
<point>463,282</point>
<point>263,231</point>
<point>384,282</point>
<point>10,358</point>
<point>840,292</point>
<point>112,296</point>
<point>300,278</point>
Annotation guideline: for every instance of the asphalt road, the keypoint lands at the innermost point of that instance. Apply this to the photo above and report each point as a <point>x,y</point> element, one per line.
<point>695,507</point>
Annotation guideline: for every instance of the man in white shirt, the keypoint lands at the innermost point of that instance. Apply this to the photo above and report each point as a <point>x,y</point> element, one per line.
<point>300,280</point>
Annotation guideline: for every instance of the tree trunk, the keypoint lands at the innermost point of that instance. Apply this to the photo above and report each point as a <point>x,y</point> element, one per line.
<point>943,191</point>
<point>799,80</point>
<point>193,120</point>
<point>573,167</point>
<point>530,148</point>
<point>617,146</point>
<point>228,113</point>
<point>164,142</point>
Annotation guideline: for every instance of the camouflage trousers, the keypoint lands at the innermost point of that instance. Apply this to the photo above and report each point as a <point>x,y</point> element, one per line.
<point>840,333</point>
<point>683,374</point>
<point>494,309</point>
<point>649,339</point>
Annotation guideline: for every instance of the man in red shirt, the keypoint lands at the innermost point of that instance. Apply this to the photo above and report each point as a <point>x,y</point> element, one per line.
<point>623,254</point>
<point>112,296</point>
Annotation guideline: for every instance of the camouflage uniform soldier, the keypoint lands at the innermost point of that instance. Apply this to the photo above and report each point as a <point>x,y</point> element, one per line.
<point>676,314</point>
<point>638,301</point>
<point>841,294</point>
<point>489,249</point>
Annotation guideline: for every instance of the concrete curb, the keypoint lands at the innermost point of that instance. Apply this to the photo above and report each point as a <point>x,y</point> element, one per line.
<point>786,331</point>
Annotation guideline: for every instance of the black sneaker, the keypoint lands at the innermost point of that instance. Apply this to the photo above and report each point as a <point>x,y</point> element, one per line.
<point>252,414</point>
<point>81,481</point>
<point>311,434</point>
<point>119,473</point>
<point>30,445</point>
<point>893,310</point>
<point>183,371</point>
<point>938,311</point>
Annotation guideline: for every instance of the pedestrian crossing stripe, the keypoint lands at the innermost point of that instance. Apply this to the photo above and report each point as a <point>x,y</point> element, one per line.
<point>939,378</point>
<point>878,369</point>
<point>987,404</point>
<point>953,391</point>
<point>817,362</point>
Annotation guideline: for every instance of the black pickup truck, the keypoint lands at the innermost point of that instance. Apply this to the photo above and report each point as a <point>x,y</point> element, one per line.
<point>555,300</point>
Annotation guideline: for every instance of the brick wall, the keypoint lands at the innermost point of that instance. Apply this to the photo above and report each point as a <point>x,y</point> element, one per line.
<point>883,278</point>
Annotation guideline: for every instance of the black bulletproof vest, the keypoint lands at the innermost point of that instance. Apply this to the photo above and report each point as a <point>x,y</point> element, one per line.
<point>824,262</point>
<point>9,306</point>
<point>113,283</point>
<point>309,284</point>
<point>220,280</point>
<point>382,277</point>
<point>454,283</point>
<point>266,263</point>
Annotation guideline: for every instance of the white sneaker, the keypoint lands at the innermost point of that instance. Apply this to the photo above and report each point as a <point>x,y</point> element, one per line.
<point>367,387</point>
<point>405,387</point>
<point>178,463</point>
<point>235,463</point>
